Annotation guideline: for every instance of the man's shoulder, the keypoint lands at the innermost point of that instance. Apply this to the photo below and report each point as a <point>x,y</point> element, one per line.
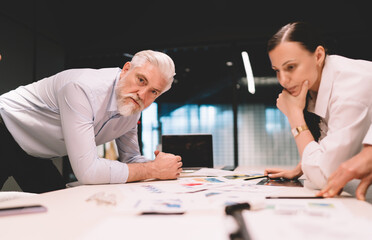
<point>101,73</point>
<point>88,77</point>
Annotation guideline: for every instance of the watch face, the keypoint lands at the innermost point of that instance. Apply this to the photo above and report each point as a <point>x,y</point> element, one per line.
<point>294,132</point>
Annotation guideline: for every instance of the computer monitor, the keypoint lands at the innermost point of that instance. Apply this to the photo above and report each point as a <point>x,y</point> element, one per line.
<point>196,150</point>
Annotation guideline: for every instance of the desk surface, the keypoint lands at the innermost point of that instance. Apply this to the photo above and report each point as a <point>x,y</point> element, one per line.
<point>71,215</point>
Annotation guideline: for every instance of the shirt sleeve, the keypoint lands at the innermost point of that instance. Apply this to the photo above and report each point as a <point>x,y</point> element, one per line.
<point>347,126</point>
<point>78,132</point>
<point>368,137</point>
<point>128,147</point>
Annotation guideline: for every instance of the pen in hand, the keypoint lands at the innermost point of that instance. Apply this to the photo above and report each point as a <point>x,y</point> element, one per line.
<point>255,177</point>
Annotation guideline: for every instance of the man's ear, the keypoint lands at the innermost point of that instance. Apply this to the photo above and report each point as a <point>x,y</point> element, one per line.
<point>125,69</point>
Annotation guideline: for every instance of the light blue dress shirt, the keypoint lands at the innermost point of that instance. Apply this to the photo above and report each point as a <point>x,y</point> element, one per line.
<point>71,113</point>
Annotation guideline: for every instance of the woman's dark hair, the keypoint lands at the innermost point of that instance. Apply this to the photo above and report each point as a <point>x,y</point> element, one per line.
<point>310,39</point>
<point>301,32</point>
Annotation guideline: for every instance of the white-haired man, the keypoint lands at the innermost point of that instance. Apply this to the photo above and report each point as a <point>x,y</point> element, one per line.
<point>72,112</point>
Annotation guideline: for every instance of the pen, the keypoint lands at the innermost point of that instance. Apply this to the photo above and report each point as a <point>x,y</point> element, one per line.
<point>162,213</point>
<point>255,177</point>
<point>293,197</point>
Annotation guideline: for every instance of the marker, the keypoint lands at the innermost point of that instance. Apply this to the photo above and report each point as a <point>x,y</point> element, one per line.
<point>236,212</point>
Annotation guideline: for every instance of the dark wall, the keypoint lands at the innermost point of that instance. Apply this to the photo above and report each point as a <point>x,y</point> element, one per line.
<point>16,49</point>
<point>28,51</point>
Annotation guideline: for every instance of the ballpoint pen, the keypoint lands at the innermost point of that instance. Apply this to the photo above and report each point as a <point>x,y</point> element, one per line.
<point>255,177</point>
<point>293,197</point>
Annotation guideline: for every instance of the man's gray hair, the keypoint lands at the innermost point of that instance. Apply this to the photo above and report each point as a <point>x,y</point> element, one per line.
<point>161,60</point>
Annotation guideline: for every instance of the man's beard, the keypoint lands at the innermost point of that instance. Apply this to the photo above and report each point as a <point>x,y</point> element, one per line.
<point>126,106</point>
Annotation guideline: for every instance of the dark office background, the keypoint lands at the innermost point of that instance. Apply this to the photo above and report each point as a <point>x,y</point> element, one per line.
<point>205,38</point>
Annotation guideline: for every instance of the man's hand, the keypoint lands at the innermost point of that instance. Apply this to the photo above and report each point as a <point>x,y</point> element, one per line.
<point>166,165</point>
<point>359,167</point>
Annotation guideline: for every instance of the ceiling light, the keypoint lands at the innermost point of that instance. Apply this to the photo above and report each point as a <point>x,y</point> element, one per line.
<point>127,55</point>
<point>248,71</point>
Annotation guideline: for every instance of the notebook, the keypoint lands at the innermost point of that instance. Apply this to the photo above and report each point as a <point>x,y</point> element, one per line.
<point>196,150</point>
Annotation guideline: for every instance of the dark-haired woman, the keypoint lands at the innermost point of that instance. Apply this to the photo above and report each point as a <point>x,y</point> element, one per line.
<point>326,98</point>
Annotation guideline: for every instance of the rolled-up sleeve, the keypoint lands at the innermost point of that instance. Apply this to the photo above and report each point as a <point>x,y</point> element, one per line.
<point>78,131</point>
<point>347,126</point>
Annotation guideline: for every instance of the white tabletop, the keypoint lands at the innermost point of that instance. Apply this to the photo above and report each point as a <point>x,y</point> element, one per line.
<point>77,213</point>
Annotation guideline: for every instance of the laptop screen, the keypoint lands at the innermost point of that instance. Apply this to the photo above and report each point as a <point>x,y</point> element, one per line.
<point>196,150</point>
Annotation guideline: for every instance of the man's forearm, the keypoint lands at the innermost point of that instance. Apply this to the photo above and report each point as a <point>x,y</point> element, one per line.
<point>141,171</point>
<point>165,166</point>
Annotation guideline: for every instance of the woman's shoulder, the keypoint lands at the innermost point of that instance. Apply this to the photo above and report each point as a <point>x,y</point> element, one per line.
<point>351,79</point>
<point>343,64</point>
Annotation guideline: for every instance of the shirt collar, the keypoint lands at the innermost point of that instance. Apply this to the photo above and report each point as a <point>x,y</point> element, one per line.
<point>325,89</point>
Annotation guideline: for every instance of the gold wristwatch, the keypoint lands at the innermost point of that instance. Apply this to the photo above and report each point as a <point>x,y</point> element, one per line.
<point>297,130</point>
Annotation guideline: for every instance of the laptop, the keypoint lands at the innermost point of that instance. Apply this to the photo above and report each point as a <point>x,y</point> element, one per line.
<point>196,150</point>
